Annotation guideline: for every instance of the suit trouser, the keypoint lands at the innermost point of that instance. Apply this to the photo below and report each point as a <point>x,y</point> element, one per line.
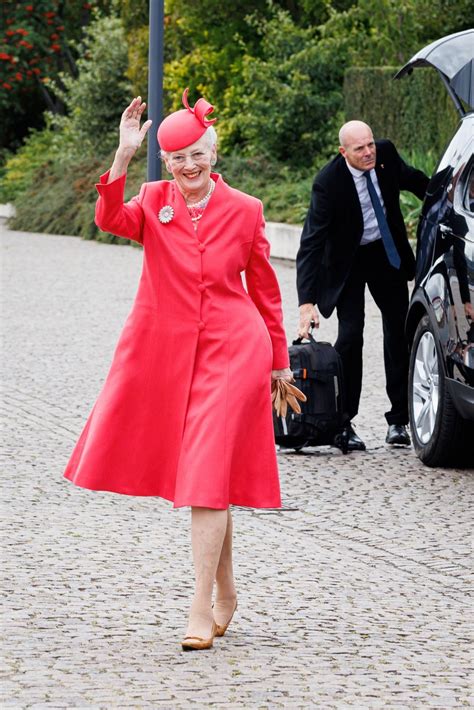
<point>389,289</point>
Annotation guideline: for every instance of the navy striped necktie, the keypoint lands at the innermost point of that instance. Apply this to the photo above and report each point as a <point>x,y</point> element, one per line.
<point>389,244</point>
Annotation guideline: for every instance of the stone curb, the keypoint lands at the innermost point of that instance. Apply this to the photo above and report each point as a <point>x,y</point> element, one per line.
<point>7,210</point>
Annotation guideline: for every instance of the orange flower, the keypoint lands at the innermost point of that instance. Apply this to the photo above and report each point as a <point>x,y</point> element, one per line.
<point>6,85</point>
<point>49,14</point>
<point>55,47</point>
<point>36,71</point>
<point>4,56</point>
<point>54,36</point>
<point>29,8</point>
<point>23,32</point>
<point>10,33</point>
<point>19,76</point>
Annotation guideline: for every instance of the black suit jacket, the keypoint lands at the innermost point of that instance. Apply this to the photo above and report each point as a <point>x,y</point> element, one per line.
<point>334,225</point>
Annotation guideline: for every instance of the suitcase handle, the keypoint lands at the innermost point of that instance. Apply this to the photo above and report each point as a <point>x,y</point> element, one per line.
<point>310,338</point>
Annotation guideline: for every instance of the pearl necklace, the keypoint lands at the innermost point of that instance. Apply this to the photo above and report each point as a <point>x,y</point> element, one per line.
<point>196,209</point>
<point>203,202</point>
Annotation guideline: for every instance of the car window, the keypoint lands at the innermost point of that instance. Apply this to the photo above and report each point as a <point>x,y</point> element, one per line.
<point>468,199</point>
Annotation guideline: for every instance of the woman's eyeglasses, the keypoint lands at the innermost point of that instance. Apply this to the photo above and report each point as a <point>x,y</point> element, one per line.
<point>196,157</point>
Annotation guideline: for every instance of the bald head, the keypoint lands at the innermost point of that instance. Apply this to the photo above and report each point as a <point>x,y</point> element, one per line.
<point>356,144</point>
<point>353,132</point>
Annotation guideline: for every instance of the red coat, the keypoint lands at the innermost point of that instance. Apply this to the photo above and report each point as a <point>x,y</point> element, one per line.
<point>185,412</point>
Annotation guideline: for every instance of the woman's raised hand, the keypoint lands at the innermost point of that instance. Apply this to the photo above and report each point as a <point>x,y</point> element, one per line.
<point>131,135</point>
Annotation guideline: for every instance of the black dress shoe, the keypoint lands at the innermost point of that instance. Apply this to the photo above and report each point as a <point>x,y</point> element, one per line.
<point>397,434</point>
<point>350,438</point>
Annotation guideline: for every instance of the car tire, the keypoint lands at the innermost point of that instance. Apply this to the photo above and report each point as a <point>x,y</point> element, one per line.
<point>438,431</point>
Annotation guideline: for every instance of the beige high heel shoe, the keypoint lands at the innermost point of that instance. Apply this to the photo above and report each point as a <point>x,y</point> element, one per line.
<point>196,643</point>
<point>222,628</point>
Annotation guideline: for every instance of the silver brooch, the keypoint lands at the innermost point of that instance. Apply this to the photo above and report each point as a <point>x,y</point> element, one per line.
<point>166,214</point>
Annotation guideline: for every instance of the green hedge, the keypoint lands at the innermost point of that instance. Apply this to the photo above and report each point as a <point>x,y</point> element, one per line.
<point>415,112</point>
<point>62,199</point>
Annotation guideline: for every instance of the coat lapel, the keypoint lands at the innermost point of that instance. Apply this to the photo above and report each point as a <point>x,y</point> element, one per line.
<point>348,196</point>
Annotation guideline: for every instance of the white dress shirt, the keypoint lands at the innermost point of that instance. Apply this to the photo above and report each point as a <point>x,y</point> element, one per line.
<point>371,228</point>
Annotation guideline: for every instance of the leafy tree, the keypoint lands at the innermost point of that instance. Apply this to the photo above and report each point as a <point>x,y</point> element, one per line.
<point>37,46</point>
<point>96,98</point>
<point>286,102</point>
<point>389,32</point>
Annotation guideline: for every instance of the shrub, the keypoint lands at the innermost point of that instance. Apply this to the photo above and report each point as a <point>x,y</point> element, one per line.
<point>284,191</point>
<point>415,112</point>
<point>61,199</point>
<point>410,204</point>
<point>96,99</point>
<point>19,173</point>
<point>285,103</point>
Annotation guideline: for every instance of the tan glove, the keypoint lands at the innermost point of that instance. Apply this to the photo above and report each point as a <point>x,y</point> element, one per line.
<point>284,394</point>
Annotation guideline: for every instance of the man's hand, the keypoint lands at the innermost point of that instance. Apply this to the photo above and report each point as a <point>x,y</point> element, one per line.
<point>308,313</point>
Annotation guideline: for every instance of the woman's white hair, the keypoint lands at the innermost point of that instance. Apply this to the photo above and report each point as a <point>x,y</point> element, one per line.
<point>210,134</point>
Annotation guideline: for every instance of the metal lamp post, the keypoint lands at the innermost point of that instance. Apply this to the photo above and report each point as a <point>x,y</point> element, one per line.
<point>155,85</point>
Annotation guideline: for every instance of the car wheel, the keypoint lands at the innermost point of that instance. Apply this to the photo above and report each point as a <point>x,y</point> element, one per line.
<point>437,429</point>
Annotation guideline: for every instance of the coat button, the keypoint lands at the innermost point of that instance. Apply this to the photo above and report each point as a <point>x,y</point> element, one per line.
<point>201,325</point>
<point>201,288</point>
<point>201,247</point>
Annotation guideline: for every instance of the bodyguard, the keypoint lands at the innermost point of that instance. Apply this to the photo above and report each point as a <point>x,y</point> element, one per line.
<point>353,236</point>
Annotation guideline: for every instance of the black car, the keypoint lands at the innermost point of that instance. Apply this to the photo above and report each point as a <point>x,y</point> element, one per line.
<point>440,323</point>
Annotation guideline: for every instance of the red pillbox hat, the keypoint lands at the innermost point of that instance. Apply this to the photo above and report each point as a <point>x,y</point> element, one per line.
<point>185,127</point>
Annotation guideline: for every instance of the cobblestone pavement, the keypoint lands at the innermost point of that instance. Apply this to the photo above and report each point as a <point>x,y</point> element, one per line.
<point>353,596</point>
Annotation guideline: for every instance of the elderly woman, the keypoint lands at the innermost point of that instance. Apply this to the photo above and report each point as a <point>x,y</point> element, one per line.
<point>185,412</point>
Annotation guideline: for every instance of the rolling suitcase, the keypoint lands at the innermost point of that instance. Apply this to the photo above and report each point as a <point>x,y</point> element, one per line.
<point>317,370</point>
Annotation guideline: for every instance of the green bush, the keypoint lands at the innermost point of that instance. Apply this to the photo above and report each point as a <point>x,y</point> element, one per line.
<point>96,98</point>
<point>284,191</point>
<point>51,178</point>
<point>19,171</point>
<point>415,112</point>
<point>410,204</point>
<point>286,103</point>
<point>61,199</point>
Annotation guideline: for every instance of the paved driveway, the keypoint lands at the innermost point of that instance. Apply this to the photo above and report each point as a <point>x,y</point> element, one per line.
<point>354,596</point>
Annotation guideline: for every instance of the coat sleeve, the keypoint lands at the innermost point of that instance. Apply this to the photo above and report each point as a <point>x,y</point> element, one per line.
<point>410,178</point>
<point>112,215</point>
<point>313,240</point>
<point>263,289</point>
